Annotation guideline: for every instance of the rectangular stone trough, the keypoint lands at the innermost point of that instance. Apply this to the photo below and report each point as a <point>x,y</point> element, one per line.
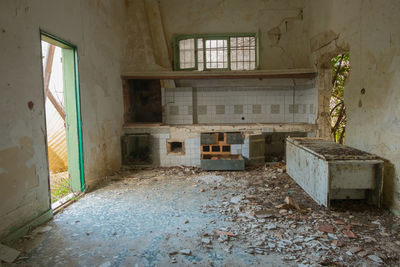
<point>327,170</point>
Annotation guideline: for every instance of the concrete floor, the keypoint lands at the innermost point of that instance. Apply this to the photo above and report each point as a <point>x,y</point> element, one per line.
<point>144,217</point>
<point>138,222</point>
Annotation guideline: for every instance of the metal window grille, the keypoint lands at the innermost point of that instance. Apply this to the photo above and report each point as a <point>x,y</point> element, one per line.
<point>243,53</point>
<point>216,54</point>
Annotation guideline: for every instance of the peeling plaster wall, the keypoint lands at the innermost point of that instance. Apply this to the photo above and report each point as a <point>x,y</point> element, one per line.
<point>96,28</point>
<point>370,30</point>
<point>284,38</point>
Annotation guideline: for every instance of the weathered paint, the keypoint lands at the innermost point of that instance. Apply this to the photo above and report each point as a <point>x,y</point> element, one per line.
<point>96,28</point>
<point>370,31</point>
<point>287,49</point>
<point>325,179</point>
<point>309,171</point>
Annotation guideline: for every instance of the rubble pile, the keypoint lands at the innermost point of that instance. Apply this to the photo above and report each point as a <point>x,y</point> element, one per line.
<point>268,213</point>
<point>272,214</point>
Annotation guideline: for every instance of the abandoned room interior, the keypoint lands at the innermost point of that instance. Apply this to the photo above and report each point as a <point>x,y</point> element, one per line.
<point>199,132</point>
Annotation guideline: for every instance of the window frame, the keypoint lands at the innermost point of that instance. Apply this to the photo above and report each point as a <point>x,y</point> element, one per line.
<point>205,37</point>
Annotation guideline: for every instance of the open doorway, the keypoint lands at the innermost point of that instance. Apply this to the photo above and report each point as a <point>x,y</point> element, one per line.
<point>63,123</point>
<point>341,71</point>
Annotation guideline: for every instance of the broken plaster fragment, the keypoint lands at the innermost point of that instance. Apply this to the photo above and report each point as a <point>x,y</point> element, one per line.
<point>375,258</point>
<point>325,228</point>
<point>186,252</point>
<point>349,234</point>
<point>41,230</point>
<point>8,254</point>
<point>236,199</point>
<point>206,241</point>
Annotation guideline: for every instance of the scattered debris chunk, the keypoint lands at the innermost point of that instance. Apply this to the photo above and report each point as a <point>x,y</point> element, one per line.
<point>206,241</point>
<point>375,258</point>
<point>362,254</point>
<point>291,203</point>
<point>325,228</point>
<point>41,230</point>
<point>349,234</point>
<point>355,250</point>
<point>225,233</point>
<point>186,252</point>
<point>236,199</point>
<point>173,253</point>
<point>339,222</point>
<point>8,254</point>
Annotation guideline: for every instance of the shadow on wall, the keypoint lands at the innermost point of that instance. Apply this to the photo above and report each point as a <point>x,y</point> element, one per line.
<point>389,194</point>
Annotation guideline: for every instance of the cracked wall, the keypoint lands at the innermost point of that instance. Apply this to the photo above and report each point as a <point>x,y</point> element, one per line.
<point>96,28</point>
<point>284,38</point>
<point>370,31</point>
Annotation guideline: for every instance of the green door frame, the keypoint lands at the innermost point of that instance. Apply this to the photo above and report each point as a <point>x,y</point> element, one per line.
<point>73,109</point>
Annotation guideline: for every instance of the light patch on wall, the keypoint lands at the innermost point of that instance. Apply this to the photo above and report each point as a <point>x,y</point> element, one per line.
<point>20,174</point>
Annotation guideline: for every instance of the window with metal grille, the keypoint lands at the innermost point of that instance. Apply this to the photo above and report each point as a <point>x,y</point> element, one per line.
<point>216,52</point>
<point>243,53</point>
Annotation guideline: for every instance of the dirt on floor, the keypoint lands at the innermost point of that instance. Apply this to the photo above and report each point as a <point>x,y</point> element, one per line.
<point>183,216</point>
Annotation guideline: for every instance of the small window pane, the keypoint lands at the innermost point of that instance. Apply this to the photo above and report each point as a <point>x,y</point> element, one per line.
<point>240,55</point>
<point>200,66</point>
<point>246,41</point>
<point>233,56</point>
<point>200,54</point>
<point>233,66</point>
<point>233,41</point>
<point>200,43</point>
<point>252,55</point>
<point>246,55</point>
<point>216,54</point>
<point>186,53</point>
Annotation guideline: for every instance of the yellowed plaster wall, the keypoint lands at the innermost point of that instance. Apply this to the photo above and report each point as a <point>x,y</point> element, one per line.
<point>96,28</point>
<point>370,30</point>
<point>284,38</point>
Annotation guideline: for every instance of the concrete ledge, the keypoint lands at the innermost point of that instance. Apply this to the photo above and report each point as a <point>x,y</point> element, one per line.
<point>13,236</point>
<point>175,75</point>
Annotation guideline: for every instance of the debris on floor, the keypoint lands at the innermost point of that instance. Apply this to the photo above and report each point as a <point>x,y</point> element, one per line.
<point>8,254</point>
<point>186,216</point>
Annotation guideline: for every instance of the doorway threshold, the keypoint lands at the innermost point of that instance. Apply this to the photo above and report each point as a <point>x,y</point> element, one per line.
<point>63,202</point>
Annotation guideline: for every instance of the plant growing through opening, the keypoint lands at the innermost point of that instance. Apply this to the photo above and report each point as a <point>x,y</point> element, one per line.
<point>341,71</point>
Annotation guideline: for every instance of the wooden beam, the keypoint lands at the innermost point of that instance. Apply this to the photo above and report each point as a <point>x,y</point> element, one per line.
<point>47,76</point>
<point>56,104</point>
<point>49,65</point>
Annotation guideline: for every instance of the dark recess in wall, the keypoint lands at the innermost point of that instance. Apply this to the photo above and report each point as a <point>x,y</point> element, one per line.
<point>142,101</point>
<point>275,144</point>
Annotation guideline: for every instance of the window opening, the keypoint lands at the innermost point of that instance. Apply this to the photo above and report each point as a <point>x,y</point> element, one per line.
<point>216,52</point>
